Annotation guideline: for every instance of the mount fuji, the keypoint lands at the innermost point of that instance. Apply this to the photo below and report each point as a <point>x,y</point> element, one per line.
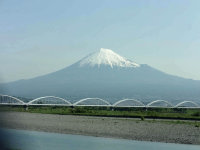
<point>106,74</point>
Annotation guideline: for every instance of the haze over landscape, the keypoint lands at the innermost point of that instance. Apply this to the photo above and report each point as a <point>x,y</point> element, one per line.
<point>40,37</point>
<point>137,49</point>
<point>99,74</point>
<point>106,74</point>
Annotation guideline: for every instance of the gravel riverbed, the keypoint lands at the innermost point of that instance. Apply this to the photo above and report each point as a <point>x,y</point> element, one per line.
<point>126,128</point>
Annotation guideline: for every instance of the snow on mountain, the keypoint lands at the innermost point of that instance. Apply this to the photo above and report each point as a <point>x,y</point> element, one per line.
<point>106,79</point>
<point>107,57</point>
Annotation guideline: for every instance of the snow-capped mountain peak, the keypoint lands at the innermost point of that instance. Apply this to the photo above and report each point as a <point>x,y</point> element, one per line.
<point>107,57</point>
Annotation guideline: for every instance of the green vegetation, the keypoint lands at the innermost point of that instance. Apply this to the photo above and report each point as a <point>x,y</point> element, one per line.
<point>142,113</point>
<point>197,125</point>
<point>142,118</point>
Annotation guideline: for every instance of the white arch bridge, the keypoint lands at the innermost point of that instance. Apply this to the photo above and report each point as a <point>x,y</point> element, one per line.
<point>58,101</point>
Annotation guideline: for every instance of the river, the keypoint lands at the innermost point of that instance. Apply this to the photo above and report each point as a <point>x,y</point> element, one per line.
<point>33,140</point>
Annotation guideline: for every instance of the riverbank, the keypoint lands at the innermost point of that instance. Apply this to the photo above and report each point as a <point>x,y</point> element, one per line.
<point>126,128</point>
<point>125,112</point>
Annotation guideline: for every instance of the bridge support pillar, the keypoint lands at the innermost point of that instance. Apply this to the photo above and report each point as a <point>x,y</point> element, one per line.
<point>112,109</point>
<point>26,107</point>
<point>146,108</point>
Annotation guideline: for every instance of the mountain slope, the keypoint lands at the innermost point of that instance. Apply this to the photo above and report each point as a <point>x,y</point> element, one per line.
<point>106,74</point>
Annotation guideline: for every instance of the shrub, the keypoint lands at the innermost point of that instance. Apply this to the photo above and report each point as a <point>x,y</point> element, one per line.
<point>197,114</point>
<point>142,118</point>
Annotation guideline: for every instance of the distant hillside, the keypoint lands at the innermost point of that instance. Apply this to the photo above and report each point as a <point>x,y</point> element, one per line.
<point>107,74</point>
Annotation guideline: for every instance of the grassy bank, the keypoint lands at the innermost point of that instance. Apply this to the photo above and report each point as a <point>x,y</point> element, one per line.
<point>154,113</point>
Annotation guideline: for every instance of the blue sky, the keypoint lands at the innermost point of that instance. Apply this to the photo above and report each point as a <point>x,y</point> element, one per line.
<point>38,37</point>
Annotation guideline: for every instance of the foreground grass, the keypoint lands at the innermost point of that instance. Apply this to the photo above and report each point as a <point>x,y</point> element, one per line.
<point>164,121</point>
<point>154,113</point>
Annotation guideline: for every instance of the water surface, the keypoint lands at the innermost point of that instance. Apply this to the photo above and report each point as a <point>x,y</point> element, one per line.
<point>33,140</point>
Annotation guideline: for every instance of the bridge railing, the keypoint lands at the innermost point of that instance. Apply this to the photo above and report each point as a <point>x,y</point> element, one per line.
<point>57,101</point>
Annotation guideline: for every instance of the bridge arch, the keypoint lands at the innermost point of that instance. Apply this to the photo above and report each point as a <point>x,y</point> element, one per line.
<point>152,104</point>
<point>6,99</point>
<point>50,100</point>
<point>181,104</point>
<point>91,102</point>
<point>133,101</point>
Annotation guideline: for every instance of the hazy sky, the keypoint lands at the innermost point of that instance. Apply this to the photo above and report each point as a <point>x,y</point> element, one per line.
<point>42,36</point>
